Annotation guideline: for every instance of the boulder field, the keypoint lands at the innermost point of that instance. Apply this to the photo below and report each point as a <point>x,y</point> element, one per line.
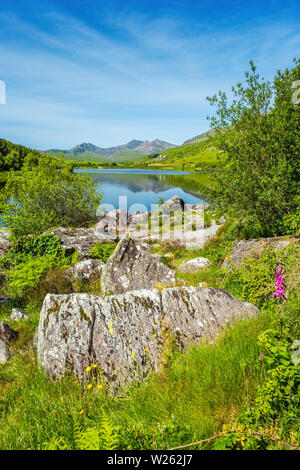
<point>127,329</point>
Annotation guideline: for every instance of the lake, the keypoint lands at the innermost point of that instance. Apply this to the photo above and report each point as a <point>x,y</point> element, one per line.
<point>141,187</point>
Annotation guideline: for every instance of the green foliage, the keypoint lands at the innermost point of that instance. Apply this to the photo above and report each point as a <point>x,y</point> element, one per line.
<point>38,246</point>
<point>161,201</point>
<point>27,247</point>
<point>280,392</point>
<point>89,438</point>
<point>253,281</point>
<point>260,184</point>
<point>276,406</point>
<point>35,409</point>
<point>103,251</point>
<point>26,275</point>
<point>13,157</point>
<point>46,196</point>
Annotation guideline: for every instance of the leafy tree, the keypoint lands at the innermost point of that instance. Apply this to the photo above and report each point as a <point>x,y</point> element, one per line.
<point>13,160</point>
<point>48,195</point>
<point>259,132</point>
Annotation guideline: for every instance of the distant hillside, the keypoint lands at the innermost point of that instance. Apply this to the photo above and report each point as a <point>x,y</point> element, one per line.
<point>201,137</point>
<point>195,156</point>
<point>131,151</point>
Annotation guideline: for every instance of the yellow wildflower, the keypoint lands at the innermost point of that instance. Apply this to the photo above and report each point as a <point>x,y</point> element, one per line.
<point>155,335</point>
<point>146,349</point>
<point>89,386</point>
<point>133,355</point>
<point>81,412</point>
<point>99,387</point>
<point>94,366</point>
<point>111,330</point>
<point>88,369</point>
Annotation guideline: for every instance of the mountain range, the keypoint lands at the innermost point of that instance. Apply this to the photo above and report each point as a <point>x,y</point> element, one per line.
<point>132,149</point>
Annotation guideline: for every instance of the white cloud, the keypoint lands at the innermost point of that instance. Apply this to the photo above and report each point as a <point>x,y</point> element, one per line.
<point>75,83</point>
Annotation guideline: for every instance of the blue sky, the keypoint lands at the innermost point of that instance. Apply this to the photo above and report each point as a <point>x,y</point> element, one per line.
<point>107,72</point>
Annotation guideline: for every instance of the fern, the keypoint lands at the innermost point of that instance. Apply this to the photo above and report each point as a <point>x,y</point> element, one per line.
<point>56,443</point>
<point>108,433</point>
<point>87,439</point>
<point>90,438</point>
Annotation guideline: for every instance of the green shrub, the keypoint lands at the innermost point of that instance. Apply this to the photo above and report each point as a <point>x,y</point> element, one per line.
<point>48,195</point>
<point>272,420</point>
<point>38,246</point>
<point>258,133</point>
<point>253,281</point>
<point>27,275</point>
<point>103,251</point>
<point>28,247</point>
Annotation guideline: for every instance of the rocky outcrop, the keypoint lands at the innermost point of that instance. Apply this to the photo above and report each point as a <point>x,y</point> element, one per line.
<point>125,334</point>
<point>194,265</point>
<point>173,221</point>
<point>132,267</point>
<point>246,249</point>
<point>85,270</point>
<point>4,242</point>
<point>7,335</point>
<point>172,205</point>
<point>81,240</point>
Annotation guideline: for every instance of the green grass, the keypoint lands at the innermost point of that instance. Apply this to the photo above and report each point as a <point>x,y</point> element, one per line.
<point>190,399</point>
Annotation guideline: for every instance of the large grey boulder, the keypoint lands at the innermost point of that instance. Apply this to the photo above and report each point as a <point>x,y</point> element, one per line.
<point>194,313</point>
<point>85,270</point>
<point>132,267</point>
<point>254,248</point>
<point>7,335</point>
<point>64,338</point>
<point>194,264</point>
<point>4,242</point>
<point>127,336</point>
<point>124,334</point>
<point>172,205</point>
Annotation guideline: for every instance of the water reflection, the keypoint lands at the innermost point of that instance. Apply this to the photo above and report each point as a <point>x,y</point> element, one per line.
<point>142,186</point>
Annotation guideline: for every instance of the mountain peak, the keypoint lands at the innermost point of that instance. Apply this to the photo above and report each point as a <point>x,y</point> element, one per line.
<point>135,146</point>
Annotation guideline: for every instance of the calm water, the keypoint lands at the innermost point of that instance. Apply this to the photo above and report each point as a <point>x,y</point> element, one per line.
<point>141,187</point>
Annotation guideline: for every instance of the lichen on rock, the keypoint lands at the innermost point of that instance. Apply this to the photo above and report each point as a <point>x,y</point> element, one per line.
<point>124,334</point>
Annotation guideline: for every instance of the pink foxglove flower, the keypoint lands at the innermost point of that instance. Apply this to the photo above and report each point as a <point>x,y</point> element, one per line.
<point>280,285</point>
